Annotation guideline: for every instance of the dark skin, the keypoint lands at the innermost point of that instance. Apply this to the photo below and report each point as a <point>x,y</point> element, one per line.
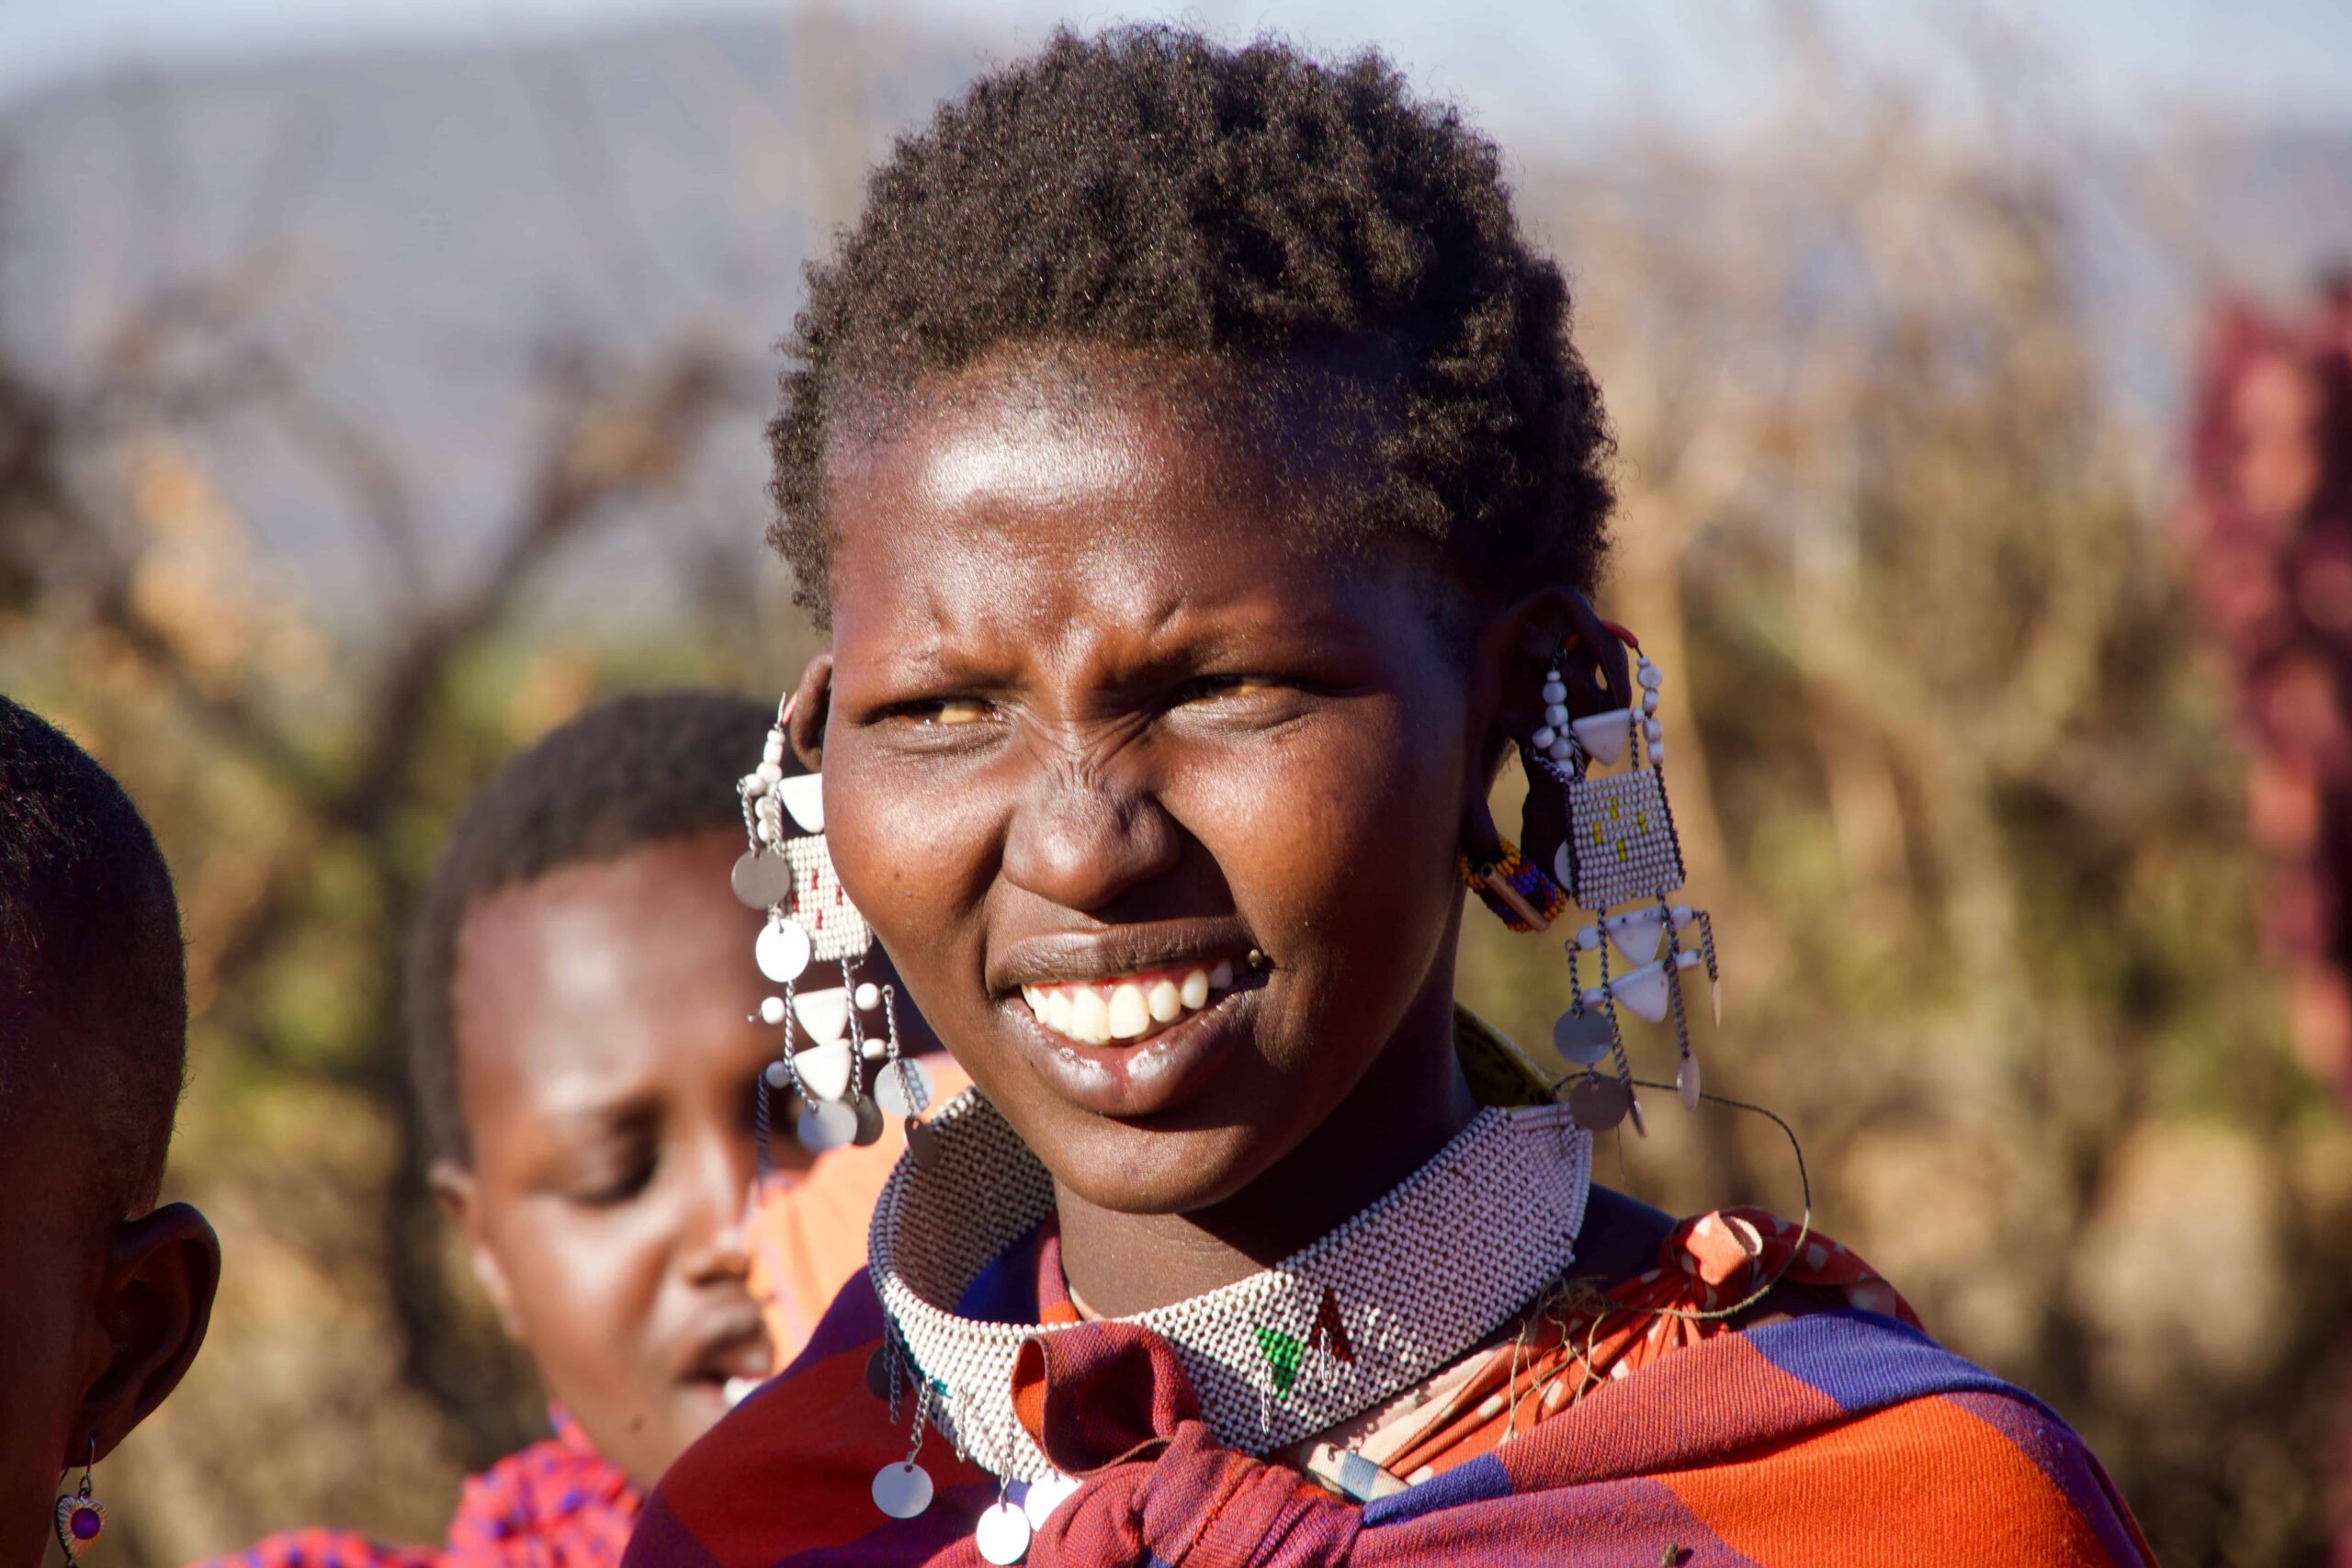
<point>1098,701</point>
<point>101,1316</point>
<point>606,1070</point>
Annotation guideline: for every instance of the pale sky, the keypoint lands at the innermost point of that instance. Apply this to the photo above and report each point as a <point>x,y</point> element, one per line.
<point>2134,64</point>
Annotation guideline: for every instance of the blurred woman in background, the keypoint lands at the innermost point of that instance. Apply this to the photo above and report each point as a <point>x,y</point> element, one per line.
<point>587,1047</point>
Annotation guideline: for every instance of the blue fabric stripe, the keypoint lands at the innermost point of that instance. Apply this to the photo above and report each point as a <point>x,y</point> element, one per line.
<point>1868,1362</point>
<point>1482,1480</point>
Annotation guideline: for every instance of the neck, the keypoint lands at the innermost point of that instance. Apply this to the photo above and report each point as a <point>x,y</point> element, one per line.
<point>1411,1101</point>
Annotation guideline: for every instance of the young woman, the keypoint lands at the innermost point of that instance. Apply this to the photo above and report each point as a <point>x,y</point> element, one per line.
<point>1188,455</point>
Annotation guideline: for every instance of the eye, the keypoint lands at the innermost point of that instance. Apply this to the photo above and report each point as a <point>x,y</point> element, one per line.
<point>605,1178</point>
<point>942,712</point>
<point>1224,688</point>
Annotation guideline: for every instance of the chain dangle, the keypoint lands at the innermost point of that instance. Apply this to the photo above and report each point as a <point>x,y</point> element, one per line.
<point>1621,863</point>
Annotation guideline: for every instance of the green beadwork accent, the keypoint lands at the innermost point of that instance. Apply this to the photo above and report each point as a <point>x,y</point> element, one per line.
<point>1282,1354</point>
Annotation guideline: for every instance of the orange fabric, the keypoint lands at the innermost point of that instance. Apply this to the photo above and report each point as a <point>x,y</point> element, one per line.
<point>805,1230</point>
<point>1578,1340</point>
<point>1926,1463</point>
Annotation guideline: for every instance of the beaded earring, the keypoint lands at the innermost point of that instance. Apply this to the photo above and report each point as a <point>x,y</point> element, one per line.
<point>811,919</point>
<point>80,1516</point>
<point>1620,853</point>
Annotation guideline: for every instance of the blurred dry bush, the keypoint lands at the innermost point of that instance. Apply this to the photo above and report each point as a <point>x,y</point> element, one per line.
<point>1949,764</point>
<point>1952,769</point>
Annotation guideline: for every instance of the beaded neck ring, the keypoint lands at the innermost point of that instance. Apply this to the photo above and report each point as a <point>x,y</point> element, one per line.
<point>1621,854</point>
<point>1386,1300</point>
<point>810,918</point>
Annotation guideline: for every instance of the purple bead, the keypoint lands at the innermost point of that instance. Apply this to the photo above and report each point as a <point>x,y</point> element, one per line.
<point>85,1524</point>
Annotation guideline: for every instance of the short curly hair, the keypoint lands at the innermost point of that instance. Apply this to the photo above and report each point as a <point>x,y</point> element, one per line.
<point>633,770</point>
<point>1148,189</point>
<point>93,973</point>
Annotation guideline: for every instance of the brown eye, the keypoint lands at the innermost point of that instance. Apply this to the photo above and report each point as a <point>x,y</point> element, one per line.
<point>1215,688</point>
<point>958,710</point>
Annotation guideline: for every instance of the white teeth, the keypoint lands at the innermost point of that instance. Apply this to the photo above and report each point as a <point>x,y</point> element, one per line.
<point>1130,1017</point>
<point>1089,1017</point>
<point>737,1387</point>
<point>1097,1011</point>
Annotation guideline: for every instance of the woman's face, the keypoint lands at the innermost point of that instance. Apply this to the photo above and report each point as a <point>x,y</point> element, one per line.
<point>1106,718</point>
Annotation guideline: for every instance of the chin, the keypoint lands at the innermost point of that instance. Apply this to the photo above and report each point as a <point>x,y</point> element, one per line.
<point>1132,1170</point>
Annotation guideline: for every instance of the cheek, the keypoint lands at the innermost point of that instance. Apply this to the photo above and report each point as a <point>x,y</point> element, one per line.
<point>914,850</point>
<point>585,1282</point>
<point>1338,846</point>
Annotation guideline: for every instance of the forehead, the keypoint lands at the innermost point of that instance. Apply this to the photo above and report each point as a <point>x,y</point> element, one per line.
<point>601,977</point>
<point>1136,489</point>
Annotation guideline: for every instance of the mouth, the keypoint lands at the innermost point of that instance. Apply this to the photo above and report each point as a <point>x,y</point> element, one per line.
<point>1128,1028</point>
<point>732,1362</point>
<point>1129,1009</point>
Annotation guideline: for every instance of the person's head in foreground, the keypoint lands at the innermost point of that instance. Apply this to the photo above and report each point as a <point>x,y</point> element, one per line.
<point>586,1051</point>
<point>1188,454</point>
<point>105,1295</point>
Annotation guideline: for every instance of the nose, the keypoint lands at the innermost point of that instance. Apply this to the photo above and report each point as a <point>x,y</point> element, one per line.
<point>1084,838</point>
<point>716,1250</point>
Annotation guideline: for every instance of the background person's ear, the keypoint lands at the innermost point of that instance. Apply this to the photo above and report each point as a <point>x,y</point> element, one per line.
<point>454,1191</point>
<point>154,1303</point>
<point>810,710</point>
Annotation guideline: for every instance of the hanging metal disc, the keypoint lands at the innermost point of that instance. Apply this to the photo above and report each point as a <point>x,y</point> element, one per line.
<point>1002,1534</point>
<point>760,879</point>
<point>1583,1036</point>
<point>892,1093</point>
<point>1598,1104</point>
<point>827,1125</point>
<point>902,1489</point>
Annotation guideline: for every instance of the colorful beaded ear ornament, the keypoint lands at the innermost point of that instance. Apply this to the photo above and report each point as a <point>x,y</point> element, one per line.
<point>1515,888</point>
<point>810,918</point>
<point>81,1518</point>
<point>1620,853</point>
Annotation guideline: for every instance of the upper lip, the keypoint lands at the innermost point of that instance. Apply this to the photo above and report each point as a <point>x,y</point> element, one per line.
<point>735,1347</point>
<point>1066,957</point>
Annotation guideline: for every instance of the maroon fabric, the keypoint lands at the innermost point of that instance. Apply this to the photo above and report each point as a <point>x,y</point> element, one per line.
<point>1096,1395</point>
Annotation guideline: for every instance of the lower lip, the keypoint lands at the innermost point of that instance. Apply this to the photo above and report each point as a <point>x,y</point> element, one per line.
<point>1151,1075</point>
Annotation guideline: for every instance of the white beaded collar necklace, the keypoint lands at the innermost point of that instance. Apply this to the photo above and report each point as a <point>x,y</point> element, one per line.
<point>1397,1293</point>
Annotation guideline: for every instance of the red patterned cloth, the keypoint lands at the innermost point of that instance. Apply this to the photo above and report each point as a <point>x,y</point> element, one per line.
<point>558,1503</point>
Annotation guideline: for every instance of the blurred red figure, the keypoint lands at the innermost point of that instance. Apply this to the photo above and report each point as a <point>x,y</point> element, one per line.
<point>2269,530</point>
<point>2269,535</point>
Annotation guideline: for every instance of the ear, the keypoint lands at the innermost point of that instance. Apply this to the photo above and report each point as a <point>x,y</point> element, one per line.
<point>1553,629</point>
<point>455,1191</point>
<point>812,706</point>
<point>155,1304</point>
